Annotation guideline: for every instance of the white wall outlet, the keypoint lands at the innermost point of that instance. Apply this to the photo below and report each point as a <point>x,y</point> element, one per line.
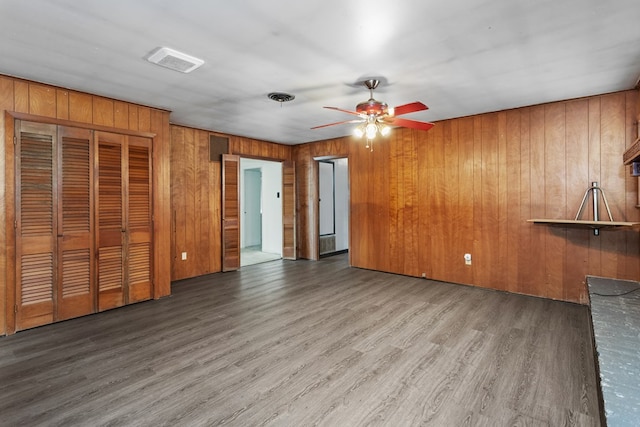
<point>467,259</point>
<point>184,256</point>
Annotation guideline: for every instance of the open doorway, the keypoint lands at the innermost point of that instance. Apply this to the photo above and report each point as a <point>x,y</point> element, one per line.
<point>333,200</point>
<point>261,211</point>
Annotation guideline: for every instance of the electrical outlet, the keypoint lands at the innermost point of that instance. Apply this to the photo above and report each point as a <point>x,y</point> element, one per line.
<point>184,256</point>
<point>467,259</point>
<point>424,275</point>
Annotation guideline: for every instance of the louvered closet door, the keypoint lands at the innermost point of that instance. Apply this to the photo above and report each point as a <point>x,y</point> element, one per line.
<point>288,210</point>
<point>230,212</point>
<point>35,224</point>
<point>139,225</point>
<point>75,285</point>
<point>110,220</point>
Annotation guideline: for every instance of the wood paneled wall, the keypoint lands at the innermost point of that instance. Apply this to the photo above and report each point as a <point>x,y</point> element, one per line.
<point>196,197</point>
<point>85,110</point>
<point>247,147</point>
<point>421,200</point>
<point>195,204</point>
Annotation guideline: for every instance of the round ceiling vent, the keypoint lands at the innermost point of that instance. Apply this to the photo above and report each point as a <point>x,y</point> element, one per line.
<point>281,97</point>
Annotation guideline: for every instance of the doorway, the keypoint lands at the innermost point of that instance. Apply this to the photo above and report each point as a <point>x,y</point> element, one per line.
<point>333,201</point>
<point>261,208</point>
<point>252,209</point>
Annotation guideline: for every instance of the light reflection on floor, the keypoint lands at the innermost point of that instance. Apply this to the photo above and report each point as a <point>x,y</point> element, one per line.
<point>253,255</point>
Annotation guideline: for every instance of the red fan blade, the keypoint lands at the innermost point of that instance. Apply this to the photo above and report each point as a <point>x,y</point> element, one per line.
<point>409,108</point>
<point>409,123</point>
<point>337,123</point>
<point>344,111</point>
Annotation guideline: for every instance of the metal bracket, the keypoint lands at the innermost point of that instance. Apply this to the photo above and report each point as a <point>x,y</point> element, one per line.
<point>597,191</point>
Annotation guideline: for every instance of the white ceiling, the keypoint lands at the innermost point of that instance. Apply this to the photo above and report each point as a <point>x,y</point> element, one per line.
<point>458,57</point>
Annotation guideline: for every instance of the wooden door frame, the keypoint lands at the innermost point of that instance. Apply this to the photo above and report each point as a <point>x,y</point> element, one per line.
<point>315,166</point>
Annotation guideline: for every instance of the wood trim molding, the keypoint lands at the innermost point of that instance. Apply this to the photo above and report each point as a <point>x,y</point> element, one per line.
<point>69,123</point>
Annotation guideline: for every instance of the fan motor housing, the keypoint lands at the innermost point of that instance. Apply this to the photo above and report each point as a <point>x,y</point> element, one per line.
<point>372,107</point>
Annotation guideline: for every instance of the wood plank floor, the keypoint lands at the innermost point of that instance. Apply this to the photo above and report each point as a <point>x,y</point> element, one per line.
<point>301,343</point>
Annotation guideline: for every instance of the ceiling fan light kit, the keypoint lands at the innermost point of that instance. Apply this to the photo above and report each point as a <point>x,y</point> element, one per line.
<point>376,117</point>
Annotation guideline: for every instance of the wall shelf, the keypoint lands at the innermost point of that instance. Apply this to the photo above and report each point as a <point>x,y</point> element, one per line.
<point>633,155</point>
<point>596,225</point>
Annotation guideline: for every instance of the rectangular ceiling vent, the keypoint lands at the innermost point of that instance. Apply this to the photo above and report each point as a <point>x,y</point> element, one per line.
<point>174,60</point>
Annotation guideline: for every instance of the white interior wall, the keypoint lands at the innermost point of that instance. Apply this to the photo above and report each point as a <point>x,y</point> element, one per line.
<point>272,207</point>
<point>271,203</point>
<point>326,197</point>
<point>342,203</point>
<point>340,177</point>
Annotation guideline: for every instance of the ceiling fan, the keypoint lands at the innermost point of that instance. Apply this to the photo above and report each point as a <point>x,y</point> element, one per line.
<point>376,117</point>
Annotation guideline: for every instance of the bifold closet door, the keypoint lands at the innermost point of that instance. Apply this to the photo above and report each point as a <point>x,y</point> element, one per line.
<point>139,221</point>
<point>124,219</point>
<point>110,219</point>
<point>75,285</point>
<point>36,224</point>
<point>54,227</point>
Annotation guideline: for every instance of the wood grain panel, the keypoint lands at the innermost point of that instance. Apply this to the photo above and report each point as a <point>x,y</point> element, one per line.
<point>196,204</point>
<point>436,200</point>
<point>161,166</point>
<point>178,210</point>
<point>144,119</point>
<point>510,206</point>
<point>595,160</point>
<point>214,214</point>
<point>21,96</point>
<point>201,203</point>
<point>42,100</point>
<point>555,201</point>
<point>133,118</point>
<point>103,111</point>
<point>120,115</point>
<point>525,231</point>
<point>463,228</point>
<point>577,175</point>
<point>537,286</point>
<point>612,144</point>
<point>80,107</point>
<point>630,267</point>
<point>62,104</point>
<point>247,147</point>
<point>188,195</point>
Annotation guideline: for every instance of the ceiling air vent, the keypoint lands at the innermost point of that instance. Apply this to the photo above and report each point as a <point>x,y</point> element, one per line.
<point>174,60</point>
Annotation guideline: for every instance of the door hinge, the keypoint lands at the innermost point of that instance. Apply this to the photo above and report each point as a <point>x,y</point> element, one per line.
<point>15,224</point>
<point>15,308</point>
<point>15,140</point>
